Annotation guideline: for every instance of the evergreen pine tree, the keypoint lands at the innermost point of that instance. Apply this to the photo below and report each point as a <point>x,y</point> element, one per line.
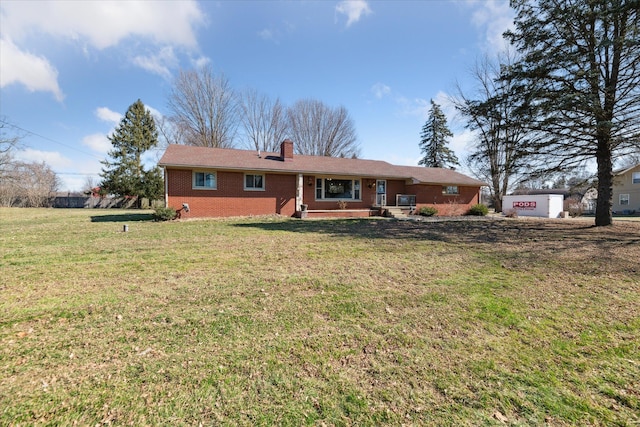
<point>434,140</point>
<point>580,84</point>
<point>124,175</point>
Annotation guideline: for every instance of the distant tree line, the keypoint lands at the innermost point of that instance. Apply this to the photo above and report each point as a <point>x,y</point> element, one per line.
<point>23,184</point>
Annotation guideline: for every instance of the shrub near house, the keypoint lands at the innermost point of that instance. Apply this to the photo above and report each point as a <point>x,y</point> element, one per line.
<point>478,210</point>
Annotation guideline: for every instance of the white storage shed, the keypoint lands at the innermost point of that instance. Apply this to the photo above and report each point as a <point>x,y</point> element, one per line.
<point>538,205</point>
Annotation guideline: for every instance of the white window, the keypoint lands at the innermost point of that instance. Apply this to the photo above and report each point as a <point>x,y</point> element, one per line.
<point>635,178</point>
<point>450,189</point>
<point>624,199</point>
<point>205,180</point>
<point>253,182</point>
<point>337,189</point>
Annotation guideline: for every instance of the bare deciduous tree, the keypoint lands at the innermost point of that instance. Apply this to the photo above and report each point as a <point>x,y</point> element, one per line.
<point>40,184</point>
<point>264,121</point>
<point>8,143</point>
<point>499,154</point>
<point>28,185</point>
<point>205,108</point>
<point>168,132</point>
<point>319,130</point>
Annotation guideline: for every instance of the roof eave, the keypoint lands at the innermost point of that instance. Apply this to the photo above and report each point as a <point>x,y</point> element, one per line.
<point>275,170</point>
<point>626,170</point>
<point>414,180</point>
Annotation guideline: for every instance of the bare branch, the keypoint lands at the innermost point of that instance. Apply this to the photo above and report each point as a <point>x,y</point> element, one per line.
<point>205,108</point>
<point>319,130</point>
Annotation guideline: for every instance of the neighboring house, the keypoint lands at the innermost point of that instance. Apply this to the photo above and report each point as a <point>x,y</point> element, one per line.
<point>626,190</point>
<point>216,182</point>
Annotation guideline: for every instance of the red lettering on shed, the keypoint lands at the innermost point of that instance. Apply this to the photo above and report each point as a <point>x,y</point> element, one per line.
<point>524,205</point>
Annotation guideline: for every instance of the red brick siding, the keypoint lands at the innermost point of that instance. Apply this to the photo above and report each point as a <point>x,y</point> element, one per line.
<point>446,204</point>
<point>230,198</point>
<point>395,187</point>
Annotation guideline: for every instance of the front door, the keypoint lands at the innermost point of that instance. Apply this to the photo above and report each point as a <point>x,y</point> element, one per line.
<point>381,192</point>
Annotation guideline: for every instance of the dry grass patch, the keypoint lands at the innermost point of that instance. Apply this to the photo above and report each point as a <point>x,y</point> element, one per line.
<point>339,322</point>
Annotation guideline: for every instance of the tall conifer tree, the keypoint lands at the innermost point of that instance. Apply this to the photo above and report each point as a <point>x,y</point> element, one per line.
<point>434,140</point>
<point>124,175</point>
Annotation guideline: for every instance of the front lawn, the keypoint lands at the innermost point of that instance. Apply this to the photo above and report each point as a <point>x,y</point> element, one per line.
<point>275,321</point>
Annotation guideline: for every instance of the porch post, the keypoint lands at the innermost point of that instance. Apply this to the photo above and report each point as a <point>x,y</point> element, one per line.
<point>299,192</point>
<point>166,187</point>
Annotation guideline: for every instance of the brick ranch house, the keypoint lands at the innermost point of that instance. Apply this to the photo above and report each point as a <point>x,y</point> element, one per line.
<point>217,182</point>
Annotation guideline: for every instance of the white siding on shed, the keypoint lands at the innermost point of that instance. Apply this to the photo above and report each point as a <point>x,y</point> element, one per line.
<point>538,205</point>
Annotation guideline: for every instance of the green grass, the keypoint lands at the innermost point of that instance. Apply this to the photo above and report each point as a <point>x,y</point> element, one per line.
<point>271,321</point>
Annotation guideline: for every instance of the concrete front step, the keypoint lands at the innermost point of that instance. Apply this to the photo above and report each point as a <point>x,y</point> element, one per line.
<point>396,212</point>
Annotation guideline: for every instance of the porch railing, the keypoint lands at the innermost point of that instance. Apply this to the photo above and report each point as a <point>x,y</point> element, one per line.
<point>405,199</point>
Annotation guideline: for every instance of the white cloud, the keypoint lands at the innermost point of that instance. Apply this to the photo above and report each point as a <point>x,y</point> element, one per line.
<point>200,61</point>
<point>417,107</point>
<point>93,24</point>
<point>276,34</point>
<point>159,63</point>
<point>73,183</point>
<point>492,18</point>
<point>106,23</point>
<point>97,142</point>
<point>380,90</point>
<point>462,142</point>
<point>157,115</point>
<point>267,34</point>
<point>32,71</point>
<point>54,159</point>
<point>354,9</point>
<point>420,107</point>
<point>444,101</point>
<point>107,115</point>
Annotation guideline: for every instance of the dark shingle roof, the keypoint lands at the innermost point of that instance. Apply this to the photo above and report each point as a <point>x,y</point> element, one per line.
<point>184,156</point>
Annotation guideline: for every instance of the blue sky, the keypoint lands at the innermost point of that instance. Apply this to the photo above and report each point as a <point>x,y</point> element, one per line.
<point>70,69</point>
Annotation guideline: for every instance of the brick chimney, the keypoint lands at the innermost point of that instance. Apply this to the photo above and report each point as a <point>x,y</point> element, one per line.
<point>286,150</point>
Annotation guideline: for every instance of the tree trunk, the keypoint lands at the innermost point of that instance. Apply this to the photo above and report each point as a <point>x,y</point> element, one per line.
<point>604,215</point>
<point>497,191</point>
<point>497,202</point>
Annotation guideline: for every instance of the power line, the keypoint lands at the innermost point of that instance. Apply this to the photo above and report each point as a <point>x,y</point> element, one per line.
<point>76,173</point>
<point>50,139</point>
